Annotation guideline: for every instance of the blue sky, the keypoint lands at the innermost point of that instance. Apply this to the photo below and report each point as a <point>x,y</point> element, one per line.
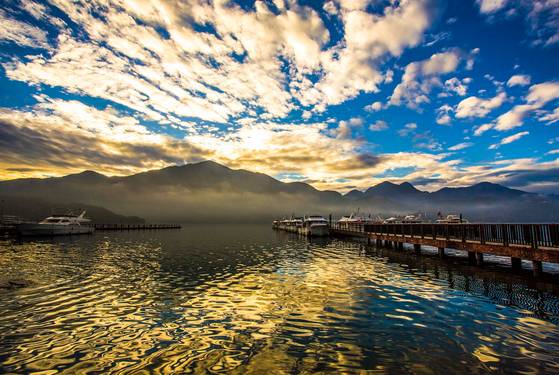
<point>341,94</point>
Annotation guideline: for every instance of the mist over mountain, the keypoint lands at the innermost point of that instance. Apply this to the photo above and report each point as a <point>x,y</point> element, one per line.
<point>210,192</point>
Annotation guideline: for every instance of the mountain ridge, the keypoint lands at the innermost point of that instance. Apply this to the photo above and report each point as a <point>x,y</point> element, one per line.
<point>209,191</point>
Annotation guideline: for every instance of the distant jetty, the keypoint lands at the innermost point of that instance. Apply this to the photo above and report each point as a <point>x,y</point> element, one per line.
<point>136,226</point>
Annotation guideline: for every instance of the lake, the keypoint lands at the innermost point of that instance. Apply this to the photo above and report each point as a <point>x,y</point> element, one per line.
<point>247,299</point>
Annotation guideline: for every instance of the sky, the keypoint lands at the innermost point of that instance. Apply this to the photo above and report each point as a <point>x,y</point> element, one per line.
<point>341,94</point>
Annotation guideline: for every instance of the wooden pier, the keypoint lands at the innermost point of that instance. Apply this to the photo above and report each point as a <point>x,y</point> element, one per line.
<point>534,242</point>
<point>136,226</point>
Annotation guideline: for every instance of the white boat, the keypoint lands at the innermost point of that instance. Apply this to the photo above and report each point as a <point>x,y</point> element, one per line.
<point>411,219</point>
<point>289,225</point>
<point>315,226</point>
<point>57,225</point>
<point>452,219</point>
<point>408,219</point>
<point>392,220</point>
<point>348,221</point>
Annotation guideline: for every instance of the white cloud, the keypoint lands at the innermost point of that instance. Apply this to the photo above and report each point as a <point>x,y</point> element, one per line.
<point>378,126</point>
<point>491,6</point>
<point>238,68</point>
<point>456,86</point>
<point>513,118</point>
<point>551,118</point>
<point>352,66</point>
<point>421,76</point>
<point>461,146</point>
<point>541,17</point>
<point>443,115</point>
<point>482,129</point>
<point>408,129</point>
<point>538,96</point>
<point>345,128</point>
<point>509,139</point>
<point>513,138</point>
<point>21,33</point>
<point>519,80</point>
<point>477,107</point>
<point>374,107</point>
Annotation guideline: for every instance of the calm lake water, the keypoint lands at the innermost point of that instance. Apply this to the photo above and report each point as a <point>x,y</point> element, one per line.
<point>246,299</point>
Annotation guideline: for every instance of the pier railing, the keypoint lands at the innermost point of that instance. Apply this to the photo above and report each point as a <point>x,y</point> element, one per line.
<point>532,235</point>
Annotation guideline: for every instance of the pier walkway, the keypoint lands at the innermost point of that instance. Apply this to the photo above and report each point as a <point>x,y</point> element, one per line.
<point>135,226</point>
<point>535,242</point>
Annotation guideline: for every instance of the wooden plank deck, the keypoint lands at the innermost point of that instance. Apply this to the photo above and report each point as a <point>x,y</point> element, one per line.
<point>535,242</point>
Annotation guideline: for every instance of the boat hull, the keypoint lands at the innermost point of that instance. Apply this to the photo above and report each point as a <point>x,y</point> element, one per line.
<point>315,231</point>
<point>53,229</point>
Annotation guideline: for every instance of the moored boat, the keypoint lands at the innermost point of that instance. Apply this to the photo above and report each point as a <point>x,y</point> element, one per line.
<point>452,219</point>
<point>346,222</point>
<point>412,219</point>
<point>315,226</point>
<point>57,225</point>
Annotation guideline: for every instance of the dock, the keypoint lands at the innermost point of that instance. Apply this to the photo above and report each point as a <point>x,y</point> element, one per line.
<point>534,242</point>
<point>136,226</point>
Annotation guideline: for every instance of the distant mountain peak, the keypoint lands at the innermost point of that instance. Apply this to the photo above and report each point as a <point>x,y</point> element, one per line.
<point>86,175</point>
<point>385,183</point>
<point>387,187</point>
<point>88,172</point>
<point>207,163</point>
<point>354,194</point>
<point>408,186</point>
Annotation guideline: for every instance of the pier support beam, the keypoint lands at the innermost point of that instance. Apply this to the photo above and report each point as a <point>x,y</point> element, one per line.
<point>400,246</point>
<point>516,263</point>
<point>472,257</point>
<point>537,265</point>
<point>441,252</point>
<point>417,248</point>
<point>479,259</point>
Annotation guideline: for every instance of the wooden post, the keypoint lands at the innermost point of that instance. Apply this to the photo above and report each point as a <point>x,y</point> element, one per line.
<point>400,246</point>
<point>441,252</point>
<point>479,259</point>
<point>516,263</point>
<point>537,268</point>
<point>534,236</point>
<point>417,248</point>
<point>471,257</point>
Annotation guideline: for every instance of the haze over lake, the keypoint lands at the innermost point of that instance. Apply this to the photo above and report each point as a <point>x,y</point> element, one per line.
<point>253,300</point>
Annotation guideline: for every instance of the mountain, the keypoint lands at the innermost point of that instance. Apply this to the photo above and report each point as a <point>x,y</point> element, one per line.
<point>199,192</point>
<point>387,188</point>
<point>210,192</point>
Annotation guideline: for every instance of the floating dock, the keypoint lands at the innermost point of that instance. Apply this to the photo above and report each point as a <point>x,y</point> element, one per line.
<point>136,226</point>
<point>534,242</point>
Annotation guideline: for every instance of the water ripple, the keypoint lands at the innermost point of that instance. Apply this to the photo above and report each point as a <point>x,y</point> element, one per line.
<point>251,300</point>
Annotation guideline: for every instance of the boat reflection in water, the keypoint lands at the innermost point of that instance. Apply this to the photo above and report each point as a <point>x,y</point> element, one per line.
<point>253,300</point>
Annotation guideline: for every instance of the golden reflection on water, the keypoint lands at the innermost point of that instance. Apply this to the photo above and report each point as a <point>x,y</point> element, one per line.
<point>134,304</point>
